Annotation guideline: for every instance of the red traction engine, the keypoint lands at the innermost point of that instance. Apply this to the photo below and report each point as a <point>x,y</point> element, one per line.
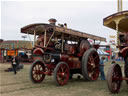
<point>114,75</point>
<point>62,52</point>
<point>119,22</point>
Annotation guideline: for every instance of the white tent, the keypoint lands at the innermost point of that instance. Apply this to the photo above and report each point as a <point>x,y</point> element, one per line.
<point>103,43</point>
<point>102,52</point>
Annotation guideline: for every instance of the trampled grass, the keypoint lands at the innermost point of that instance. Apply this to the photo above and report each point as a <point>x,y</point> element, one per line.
<point>20,85</point>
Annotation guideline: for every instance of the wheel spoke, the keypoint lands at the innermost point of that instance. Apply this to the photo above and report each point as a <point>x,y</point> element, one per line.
<point>114,75</point>
<point>62,74</point>
<point>37,74</point>
<point>96,57</point>
<point>92,58</point>
<point>89,63</point>
<point>36,67</point>
<point>92,64</point>
<point>61,69</point>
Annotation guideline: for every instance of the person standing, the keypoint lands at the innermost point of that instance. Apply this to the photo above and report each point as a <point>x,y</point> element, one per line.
<point>102,75</point>
<point>14,63</point>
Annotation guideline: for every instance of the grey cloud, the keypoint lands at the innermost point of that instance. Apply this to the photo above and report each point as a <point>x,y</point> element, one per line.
<point>86,16</point>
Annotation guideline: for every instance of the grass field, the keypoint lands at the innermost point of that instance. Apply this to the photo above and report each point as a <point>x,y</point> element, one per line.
<point>20,85</point>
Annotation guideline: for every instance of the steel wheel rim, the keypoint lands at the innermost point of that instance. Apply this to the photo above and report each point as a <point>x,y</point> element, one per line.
<point>37,70</point>
<point>62,74</point>
<point>93,66</point>
<point>115,79</point>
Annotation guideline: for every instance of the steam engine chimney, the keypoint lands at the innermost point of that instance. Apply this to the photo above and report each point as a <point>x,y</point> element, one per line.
<point>52,21</point>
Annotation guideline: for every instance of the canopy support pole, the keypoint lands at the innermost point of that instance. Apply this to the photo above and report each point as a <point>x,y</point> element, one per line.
<point>117,28</point>
<point>62,43</point>
<point>34,38</point>
<point>117,21</point>
<point>45,38</point>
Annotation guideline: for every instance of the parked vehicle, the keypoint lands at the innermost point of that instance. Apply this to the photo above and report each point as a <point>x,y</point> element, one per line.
<point>62,52</point>
<point>119,22</point>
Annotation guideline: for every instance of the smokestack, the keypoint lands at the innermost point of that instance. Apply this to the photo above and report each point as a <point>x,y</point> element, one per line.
<point>52,21</point>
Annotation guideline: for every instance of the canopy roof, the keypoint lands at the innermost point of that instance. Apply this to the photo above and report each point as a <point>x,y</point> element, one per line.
<point>13,44</point>
<point>122,17</point>
<point>41,27</point>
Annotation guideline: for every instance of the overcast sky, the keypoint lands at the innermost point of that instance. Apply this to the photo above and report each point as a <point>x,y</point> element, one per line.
<point>86,16</point>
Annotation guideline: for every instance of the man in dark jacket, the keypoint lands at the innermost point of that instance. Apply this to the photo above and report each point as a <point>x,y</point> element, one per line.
<point>102,68</point>
<point>15,63</point>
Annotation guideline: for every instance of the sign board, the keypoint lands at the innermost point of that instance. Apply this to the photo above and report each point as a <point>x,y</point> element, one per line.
<point>112,36</point>
<point>12,52</point>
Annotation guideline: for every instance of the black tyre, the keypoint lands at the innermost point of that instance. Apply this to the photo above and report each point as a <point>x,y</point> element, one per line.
<point>114,78</point>
<point>84,46</point>
<point>61,73</point>
<point>90,64</point>
<point>37,72</point>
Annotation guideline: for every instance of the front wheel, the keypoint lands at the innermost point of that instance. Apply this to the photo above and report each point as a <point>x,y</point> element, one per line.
<point>61,73</point>
<point>37,72</point>
<point>114,78</point>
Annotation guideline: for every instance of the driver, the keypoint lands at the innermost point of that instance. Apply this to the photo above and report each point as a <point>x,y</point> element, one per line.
<point>40,40</point>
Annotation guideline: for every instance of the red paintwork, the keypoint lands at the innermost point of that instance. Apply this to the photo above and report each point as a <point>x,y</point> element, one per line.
<point>68,57</point>
<point>124,78</point>
<point>50,66</point>
<point>124,52</point>
<point>73,64</point>
<point>123,37</point>
<point>64,57</point>
<point>62,74</point>
<point>115,74</point>
<point>38,72</point>
<point>38,51</point>
<point>96,46</point>
<point>84,45</point>
<point>93,66</point>
<point>72,55</point>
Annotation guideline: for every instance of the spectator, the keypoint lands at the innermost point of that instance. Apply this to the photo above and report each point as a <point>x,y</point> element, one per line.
<point>102,75</point>
<point>65,25</point>
<point>15,63</point>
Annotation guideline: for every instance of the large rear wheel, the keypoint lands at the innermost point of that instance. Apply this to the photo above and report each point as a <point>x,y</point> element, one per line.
<point>90,65</point>
<point>61,74</point>
<point>126,68</point>
<point>114,78</point>
<point>37,72</point>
